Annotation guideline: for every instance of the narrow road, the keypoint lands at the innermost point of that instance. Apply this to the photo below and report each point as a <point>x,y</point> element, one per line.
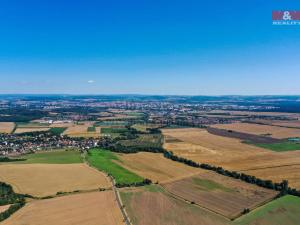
<point>116,192</point>
<point>120,203</point>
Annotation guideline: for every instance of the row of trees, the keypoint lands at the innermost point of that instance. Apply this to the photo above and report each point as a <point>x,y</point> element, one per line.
<point>8,196</point>
<point>134,144</point>
<point>136,184</point>
<point>282,187</point>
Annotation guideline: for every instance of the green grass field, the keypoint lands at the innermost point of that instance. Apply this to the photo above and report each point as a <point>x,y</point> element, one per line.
<point>106,130</point>
<point>57,130</point>
<point>91,129</point>
<point>281,147</point>
<point>104,160</point>
<point>282,211</point>
<point>53,157</point>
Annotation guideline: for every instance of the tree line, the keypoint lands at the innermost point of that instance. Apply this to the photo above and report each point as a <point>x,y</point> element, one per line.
<point>8,196</point>
<point>136,184</point>
<point>282,187</point>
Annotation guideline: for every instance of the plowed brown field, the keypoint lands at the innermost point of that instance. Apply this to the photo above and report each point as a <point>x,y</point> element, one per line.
<point>220,194</point>
<point>159,208</point>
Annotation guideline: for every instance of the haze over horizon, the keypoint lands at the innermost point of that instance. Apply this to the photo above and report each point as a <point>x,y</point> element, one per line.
<point>148,47</point>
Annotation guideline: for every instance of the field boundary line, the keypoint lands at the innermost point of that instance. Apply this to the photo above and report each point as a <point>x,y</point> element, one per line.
<point>196,204</point>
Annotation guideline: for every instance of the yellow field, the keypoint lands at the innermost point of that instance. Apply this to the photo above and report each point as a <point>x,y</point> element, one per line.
<point>272,131</point>
<point>6,127</point>
<point>62,125</point>
<point>203,147</point>
<point>290,173</point>
<point>48,179</point>
<point>155,167</point>
<point>30,129</point>
<point>283,123</point>
<point>81,130</point>
<point>96,208</point>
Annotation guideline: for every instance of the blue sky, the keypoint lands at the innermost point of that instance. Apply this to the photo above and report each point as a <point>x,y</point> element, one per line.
<point>148,47</point>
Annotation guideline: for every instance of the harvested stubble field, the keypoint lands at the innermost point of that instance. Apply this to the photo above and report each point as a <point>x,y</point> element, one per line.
<point>259,129</point>
<point>282,123</point>
<point>30,129</point>
<point>152,205</point>
<point>47,179</point>
<point>203,147</point>
<point>95,208</point>
<point>155,166</point>
<point>7,127</point>
<point>220,194</point>
<point>81,130</point>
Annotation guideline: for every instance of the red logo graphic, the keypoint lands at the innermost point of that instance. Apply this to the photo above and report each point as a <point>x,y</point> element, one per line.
<point>286,15</point>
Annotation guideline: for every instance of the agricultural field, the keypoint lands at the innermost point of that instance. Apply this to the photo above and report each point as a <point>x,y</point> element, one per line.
<point>155,166</point>
<point>95,208</point>
<point>42,180</point>
<point>259,129</point>
<point>152,205</point>
<point>223,195</point>
<point>52,157</point>
<point>280,123</point>
<point>6,127</point>
<point>82,130</point>
<point>143,141</point>
<point>57,130</point>
<point>203,147</point>
<point>107,161</point>
<point>278,173</point>
<point>144,127</point>
<point>281,146</point>
<point>285,210</point>
<point>21,130</point>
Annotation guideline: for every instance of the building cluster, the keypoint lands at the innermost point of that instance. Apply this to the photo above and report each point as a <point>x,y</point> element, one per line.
<point>13,144</point>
